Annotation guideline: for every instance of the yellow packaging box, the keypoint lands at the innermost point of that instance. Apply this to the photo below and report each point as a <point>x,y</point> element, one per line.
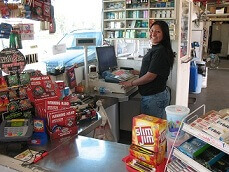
<point>149,132</point>
<point>149,157</point>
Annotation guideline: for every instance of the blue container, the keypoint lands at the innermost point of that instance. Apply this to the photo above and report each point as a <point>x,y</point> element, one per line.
<point>199,84</point>
<point>193,77</point>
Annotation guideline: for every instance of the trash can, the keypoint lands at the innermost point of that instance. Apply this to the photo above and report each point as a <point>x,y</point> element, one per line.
<point>201,66</point>
<point>193,77</point>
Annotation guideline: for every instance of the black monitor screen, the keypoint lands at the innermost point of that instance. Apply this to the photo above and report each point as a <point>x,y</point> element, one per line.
<point>106,58</point>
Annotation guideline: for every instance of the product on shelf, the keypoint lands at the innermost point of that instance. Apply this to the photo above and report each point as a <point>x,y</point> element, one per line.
<point>212,124</point>
<point>209,157</point>
<point>193,147</point>
<point>178,142</point>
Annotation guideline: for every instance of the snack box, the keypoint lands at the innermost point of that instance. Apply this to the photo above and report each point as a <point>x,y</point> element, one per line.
<point>149,132</point>
<point>62,117</point>
<point>150,157</point>
<point>62,132</point>
<point>193,147</point>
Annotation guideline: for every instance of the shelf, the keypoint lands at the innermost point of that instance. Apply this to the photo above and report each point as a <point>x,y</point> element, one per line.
<point>206,138</point>
<point>218,15</point>
<point>189,161</point>
<point>136,9</point>
<point>114,1</point>
<point>110,20</point>
<point>162,8</point>
<point>127,38</point>
<point>136,18</point>
<point>137,28</point>
<point>162,18</point>
<point>113,10</point>
<point>114,28</point>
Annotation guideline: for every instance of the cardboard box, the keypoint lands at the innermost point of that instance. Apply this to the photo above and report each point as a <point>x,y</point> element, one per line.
<point>62,132</point>
<point>220,10</point>
<point>149,157</point>
<point>212,10</point>
<point>61,117</point>
<point>149,132</point>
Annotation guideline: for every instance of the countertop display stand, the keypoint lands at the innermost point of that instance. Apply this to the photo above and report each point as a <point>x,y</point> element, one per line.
<point>198,134</point>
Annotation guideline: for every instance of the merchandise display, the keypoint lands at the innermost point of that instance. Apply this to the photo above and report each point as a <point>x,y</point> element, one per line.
<point>132,19</point>
<point>148,143</point>
<point>209,147</point>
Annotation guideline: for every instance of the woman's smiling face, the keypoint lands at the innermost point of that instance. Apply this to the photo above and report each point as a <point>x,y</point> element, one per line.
<point>156,34</point>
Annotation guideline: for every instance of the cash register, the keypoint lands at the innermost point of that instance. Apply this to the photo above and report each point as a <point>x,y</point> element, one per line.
<point>109,72</point>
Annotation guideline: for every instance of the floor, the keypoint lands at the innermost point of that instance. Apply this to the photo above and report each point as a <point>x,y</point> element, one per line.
<point>215,96</point>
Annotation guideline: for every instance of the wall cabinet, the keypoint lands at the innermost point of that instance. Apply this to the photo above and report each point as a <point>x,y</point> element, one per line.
<point>132,18</point>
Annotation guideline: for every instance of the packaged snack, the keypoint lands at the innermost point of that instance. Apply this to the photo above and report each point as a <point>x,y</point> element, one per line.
<point>188,149</point>
<point>226,118</point>
<point>216,132</point>
<point>12,80</point>
<point>143,154</point>
<point>149,132</point>
<point>201,146</point>
<point>212,116</point>
<point>24,78</point>
<point>200,123</point>
<point>223,124</point>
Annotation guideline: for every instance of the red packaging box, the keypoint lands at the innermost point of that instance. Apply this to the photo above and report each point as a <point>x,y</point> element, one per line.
<point>42,87</point>
<point>64,131</point>
<point>62,118</point>
<point>51,105</point>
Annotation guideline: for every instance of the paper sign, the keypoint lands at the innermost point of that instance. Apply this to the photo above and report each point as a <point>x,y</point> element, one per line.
<point>57,49</point>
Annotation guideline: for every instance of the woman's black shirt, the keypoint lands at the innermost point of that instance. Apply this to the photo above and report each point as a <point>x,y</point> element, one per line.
<point>155,61</point>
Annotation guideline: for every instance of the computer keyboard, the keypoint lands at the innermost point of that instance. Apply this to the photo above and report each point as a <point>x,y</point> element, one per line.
<point>123,75</point>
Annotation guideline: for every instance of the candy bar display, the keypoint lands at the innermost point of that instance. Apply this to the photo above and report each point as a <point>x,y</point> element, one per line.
<point>212,124</point>
<point>208,150</point>
<point>147,150</point>
<point>14,102</point>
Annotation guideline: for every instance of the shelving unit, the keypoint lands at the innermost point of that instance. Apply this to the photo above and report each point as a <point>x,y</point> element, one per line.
<point>131,19</point>
<point>223,16</point>
<point>200,135</point>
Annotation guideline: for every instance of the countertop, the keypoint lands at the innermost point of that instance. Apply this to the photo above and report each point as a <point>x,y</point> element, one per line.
<point>86,154</point>
<point>75,153</point>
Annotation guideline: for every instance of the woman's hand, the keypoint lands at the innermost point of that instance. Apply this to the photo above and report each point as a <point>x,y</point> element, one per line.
<point>126,84</point>
<point>135,72</point>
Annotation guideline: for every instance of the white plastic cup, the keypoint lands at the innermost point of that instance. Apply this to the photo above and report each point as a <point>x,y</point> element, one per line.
<point>174,116</point>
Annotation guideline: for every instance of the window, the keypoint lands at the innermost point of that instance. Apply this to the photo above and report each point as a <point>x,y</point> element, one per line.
<point>73,19</point>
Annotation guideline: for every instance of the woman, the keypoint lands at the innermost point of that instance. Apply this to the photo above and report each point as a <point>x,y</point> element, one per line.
<point>155,69</point>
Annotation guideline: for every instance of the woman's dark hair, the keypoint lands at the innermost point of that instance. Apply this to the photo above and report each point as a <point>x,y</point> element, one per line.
<point>166,40</point>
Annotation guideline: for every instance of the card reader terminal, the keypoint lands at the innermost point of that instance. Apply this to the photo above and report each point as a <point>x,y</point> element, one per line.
<point>16,130</point>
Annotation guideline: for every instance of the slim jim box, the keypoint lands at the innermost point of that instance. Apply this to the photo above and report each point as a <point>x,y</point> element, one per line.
<point>149,133</point>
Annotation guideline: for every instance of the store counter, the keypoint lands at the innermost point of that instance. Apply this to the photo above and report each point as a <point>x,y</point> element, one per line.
<point>81,153</point>
<point>114,105</point>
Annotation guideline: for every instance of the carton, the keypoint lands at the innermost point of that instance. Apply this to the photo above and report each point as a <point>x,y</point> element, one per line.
<point>149,132</point>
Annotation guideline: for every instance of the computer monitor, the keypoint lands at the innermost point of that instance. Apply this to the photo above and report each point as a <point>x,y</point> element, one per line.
<point>106,58</point>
